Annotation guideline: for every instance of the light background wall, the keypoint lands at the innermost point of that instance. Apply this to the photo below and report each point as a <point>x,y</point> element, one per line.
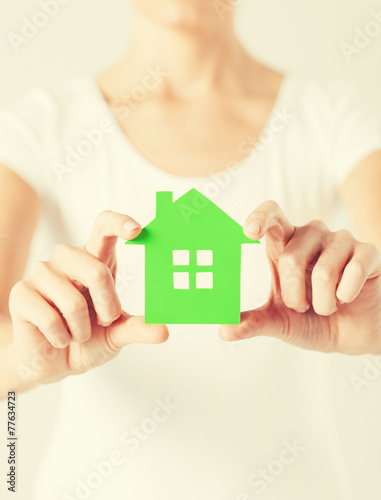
<point>302,36</point>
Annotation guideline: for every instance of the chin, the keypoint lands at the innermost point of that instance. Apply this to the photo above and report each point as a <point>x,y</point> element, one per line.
<point>189,15</point>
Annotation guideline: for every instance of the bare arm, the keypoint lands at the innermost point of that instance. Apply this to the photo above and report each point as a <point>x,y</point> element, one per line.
<point>19,210</point>
<point>361,194</point>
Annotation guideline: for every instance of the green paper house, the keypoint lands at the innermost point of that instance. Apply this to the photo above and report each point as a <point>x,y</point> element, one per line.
<point>192,262</point>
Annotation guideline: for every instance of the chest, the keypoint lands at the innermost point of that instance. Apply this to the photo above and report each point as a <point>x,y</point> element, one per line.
<point>196,140</point>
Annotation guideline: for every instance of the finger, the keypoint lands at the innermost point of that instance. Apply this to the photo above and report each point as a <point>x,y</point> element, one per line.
<point>107,228</point>
<point>132,329</point>
<point>276,321</point>
<point>66,297</point>
<point>268,218</point>
<point>365,264</point>
<point>293,264</point>
<point>262,321</point>
<point>327,271</point>
<point>28,306</point>
<point>79,266</point>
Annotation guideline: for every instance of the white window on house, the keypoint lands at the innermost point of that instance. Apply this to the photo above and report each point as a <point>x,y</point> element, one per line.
<point>204,280</point>
<point>181,281</point>
<point>181,257</point>
<point>204,257</point>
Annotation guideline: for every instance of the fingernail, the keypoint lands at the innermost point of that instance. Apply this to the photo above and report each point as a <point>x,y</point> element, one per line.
<point>254,228</point>
<point>130,226</point>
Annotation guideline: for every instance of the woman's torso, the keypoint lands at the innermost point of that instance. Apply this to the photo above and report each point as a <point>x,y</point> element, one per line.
<point>215,420</point>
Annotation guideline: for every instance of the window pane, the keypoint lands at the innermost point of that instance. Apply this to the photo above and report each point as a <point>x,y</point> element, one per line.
<point>181,281</point>
<point>181,257</point>
<point>204,280</point>
<point>204,257</point>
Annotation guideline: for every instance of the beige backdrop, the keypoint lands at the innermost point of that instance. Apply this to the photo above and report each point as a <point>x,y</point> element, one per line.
<point>302,36</point>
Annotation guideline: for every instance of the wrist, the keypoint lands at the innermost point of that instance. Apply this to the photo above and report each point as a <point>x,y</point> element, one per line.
<point>14,376</point>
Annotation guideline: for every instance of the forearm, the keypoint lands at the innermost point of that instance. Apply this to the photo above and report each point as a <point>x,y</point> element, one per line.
<point>13,375</point>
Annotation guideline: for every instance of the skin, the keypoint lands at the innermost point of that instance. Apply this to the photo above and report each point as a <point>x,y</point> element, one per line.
<point>65,318</point>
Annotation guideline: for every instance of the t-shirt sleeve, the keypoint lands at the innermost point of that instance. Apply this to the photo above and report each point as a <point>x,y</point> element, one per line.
<point>356,129</point>
<point>22,127</point>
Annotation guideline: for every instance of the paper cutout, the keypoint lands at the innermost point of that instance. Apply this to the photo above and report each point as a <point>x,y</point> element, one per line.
<point>192,262</point>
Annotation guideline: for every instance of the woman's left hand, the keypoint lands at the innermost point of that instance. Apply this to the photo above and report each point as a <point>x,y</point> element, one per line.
<point>326,287</point>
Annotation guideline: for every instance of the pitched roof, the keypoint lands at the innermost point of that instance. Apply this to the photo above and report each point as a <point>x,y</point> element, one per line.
<point>191,216</point>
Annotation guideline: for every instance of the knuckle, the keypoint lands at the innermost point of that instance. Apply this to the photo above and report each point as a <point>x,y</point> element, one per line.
<point>323,273</point>
<point>18,288</point>
<point>329,255</point>
<point>102,217</point>
<point>17,292</point>
<point>273,205</point>
<point>318,225</point>
<point>358,269</point>
<point>289,261</point>
<point>59,251</point>
<point>37,268</point>
<point>343,234</point>
<point>100,272</point>
<point>372,250</point>
<point>76,306</point>
<point>269,207</point>
<point>50,321</point>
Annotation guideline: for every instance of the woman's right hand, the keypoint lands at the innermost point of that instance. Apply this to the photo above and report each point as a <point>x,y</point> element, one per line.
<point>66,314</point>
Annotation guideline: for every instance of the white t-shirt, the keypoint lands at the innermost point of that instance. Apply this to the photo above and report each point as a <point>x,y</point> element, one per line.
<point>195,417</point>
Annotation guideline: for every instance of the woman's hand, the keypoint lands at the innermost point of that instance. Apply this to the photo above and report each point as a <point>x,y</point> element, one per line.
<point>326,287</point>
<point>66,315</point>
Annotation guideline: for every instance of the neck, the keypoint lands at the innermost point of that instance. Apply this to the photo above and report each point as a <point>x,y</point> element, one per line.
<point>195,59</point>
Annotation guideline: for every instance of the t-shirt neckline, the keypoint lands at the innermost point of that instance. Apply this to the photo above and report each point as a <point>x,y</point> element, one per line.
<point>157,172</point>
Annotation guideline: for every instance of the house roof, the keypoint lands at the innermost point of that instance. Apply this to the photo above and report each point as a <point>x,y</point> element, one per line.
<point>191,217</point>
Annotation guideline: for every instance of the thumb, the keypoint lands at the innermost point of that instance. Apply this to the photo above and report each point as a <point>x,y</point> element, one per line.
<point>132,329</point>
<point>265,320</point>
